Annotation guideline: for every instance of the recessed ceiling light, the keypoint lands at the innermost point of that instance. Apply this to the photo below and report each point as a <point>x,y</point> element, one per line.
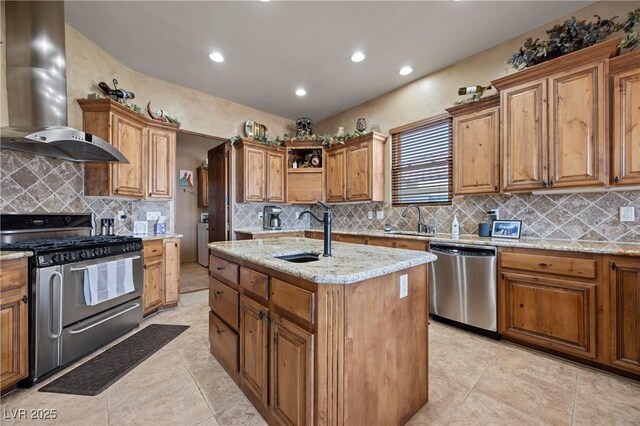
<point>301,92</point>
<point>216,57</point>
<point>357,56</point>
<point>265,1</point>
<point>406,70</point>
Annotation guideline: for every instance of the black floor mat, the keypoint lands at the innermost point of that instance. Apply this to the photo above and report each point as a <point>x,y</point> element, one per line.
<point>97,374</point>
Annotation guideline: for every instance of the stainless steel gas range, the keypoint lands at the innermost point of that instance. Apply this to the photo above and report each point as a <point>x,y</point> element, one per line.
<point>62,326</point>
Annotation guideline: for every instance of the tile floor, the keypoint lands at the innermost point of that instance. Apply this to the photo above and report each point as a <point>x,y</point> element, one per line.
<point>473,381</point>
<point>193,277</point>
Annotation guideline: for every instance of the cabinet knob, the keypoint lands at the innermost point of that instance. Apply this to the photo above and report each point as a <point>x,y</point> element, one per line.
<point>269,320</point>
<point>260,314</point>
<point>116,190</point>
<point>543,264</point>
<point>176,244</point>
<point>495,188</point>
<point>544,183</point>
<point>144,266</point>
<point>150,194</point>
<point>25,299</point>
<point>550,183</point>
<point>219,331</point>
<point>613,266</point>
<point>616,179</point>
<point>220,268</point>
<point>217,293</point>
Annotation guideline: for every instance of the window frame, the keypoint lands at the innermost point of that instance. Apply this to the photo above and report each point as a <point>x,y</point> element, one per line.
<point>416,126</point>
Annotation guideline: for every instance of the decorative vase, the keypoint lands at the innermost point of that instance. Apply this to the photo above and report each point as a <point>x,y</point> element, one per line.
<point>304,126</point>
<point>340,131</point>
<point>361,124</point>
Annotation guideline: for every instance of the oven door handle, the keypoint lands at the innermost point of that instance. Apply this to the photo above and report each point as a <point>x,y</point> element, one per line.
<point>85,268</point>
<point>83,329</point>
<point>60,302</point>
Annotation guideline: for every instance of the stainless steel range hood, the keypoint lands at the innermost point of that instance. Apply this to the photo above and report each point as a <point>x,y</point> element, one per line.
<point>37,87</point>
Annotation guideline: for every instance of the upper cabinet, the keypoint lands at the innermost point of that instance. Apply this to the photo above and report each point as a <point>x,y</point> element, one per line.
<point>625,126</point>
<point>553,122</point>
<point>476,147</point>
<point>362,176</point>
<point>148,145</point>
<point>260,172</point>
<point>305,183</point>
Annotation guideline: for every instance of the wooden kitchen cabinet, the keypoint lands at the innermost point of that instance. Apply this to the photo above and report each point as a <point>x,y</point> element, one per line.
<point>153,284</point>
<point>14,354</point>
<point>553,122</point>
<point>476,147</point>
<point>624,309</point>
<point>362,175</point>
<point>260,172</point>
<point>305,185</point>
<point>254,339</point>
<point>625,130</point>
<point>171,261</point>
<point>148,145</point>
<point>203,187</point>
<point>292,383</point>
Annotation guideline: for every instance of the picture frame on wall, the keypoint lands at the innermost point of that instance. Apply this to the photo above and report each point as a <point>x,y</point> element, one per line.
<point>506,229</point>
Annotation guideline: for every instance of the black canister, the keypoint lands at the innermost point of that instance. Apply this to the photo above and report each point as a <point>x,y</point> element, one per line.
<point>484,229</point>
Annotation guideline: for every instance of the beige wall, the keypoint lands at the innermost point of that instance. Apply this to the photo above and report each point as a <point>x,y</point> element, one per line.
<point>431,94</point>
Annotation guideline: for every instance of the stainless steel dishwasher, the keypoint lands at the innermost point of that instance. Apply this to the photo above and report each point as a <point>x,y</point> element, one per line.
<point>462,285</point>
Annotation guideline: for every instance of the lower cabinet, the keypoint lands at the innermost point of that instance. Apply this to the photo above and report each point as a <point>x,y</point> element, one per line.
<point>254,339</point>
<point>624,308</point>
<point>153,284</point>
<point>14,355</point>
<point>171,271</point>
<point>161,274</point>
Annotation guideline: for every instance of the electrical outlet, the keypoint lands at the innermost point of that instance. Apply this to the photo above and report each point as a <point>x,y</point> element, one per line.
<point>627,214</point>
<point>260,215</point>
<point>404,285</point>
<point>380,214</point>
<point>297,214</point>
<point>370,215</point>
<point>120,217</point>
<point>153,215</point>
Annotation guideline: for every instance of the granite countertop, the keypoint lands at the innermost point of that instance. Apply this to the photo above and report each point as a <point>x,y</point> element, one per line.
<point>350,263</point>
<point>11,255</point>
<point>598,247</point>
<point>254,231</point>
<point>156,237</point>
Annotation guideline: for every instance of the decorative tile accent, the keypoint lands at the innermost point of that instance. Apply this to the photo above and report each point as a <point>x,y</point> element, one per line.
<point>589,216</point>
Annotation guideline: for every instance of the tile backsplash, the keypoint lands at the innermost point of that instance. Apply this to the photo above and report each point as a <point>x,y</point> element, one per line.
<point>581,216</point>
<point>33,183</point>
<point>245,216</point>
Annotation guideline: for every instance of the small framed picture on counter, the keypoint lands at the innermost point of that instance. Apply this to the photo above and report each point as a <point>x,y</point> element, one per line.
<point>506,229</point>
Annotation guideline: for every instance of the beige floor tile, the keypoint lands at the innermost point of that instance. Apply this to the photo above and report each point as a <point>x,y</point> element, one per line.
<point>604,399</point>
<point>242,413</point>
<point>193,277</point>
<point>481,409</point>
<point>211,421</point>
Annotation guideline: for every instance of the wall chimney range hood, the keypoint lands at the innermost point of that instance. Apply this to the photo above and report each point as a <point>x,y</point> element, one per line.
<point>37,88</point>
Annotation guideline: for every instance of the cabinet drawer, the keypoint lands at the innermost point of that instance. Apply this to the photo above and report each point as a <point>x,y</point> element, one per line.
<point>224,270</point>
<point>294,300</point>
<point>152,248</point>
<point>223,300</point>
<point>556,265</point>
<point>224,343</point>
<point>254,282</point>
<point>411,245</point>
<point>13,274</point>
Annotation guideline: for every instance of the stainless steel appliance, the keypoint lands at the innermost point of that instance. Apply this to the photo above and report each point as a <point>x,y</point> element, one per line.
<point>62,327</point>
<point>462,286</point>
<point>271,217</point>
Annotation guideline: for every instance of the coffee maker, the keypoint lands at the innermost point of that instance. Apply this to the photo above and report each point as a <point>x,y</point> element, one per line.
<point>271,217</point>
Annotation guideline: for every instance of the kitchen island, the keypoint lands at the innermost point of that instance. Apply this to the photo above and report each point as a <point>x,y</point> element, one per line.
<point>337,340</point>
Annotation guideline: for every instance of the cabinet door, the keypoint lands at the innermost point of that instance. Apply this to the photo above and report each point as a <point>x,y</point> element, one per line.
<point>555,313</point>
<point>524,136</point>
<point>171,270</point>
<point>359,163</point>
<point>129,138</point>
<point>162,149</point>
<point>476,144</point>
<point>577,128</point>
<point>14,355</point>
<point>253,347</point>
<point>276,171</point>
<point>336,175</point>
<point>153,284</point>
<point>254,174</point>
<point>626,128</point>
<point>291,372</point>
<point>624,287</point>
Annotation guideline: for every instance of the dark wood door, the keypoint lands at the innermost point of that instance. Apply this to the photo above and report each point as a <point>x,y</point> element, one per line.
<point>218,192</point>
<point>253,347</point>
<point>291,372</point>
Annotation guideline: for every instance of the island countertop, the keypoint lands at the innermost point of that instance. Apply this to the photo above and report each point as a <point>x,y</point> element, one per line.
<point>350,263</point>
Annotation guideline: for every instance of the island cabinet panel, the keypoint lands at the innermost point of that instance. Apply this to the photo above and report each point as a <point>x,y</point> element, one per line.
<point>162,146</point>
<point>14,355</point>
<point>224,302</point>
<point>276,175</point>
<point>223,270</point>
<point>336,176</point>
<point>291,372</point>
<point>254,282</point>
<point>224,344</point>
<point>624,307</point>
<point>625,105</point>
<point>254,339</point>
<point>577,127</point>
<point>524,136</point>
<point>295,300</point>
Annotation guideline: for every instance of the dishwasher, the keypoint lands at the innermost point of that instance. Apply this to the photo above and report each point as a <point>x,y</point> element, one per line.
<point>462,286</point>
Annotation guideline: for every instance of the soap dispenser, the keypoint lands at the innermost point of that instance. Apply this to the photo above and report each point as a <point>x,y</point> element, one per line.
<point>455,227</point>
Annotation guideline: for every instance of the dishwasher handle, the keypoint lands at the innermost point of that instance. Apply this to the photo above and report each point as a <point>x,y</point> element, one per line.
<point>463,251</point>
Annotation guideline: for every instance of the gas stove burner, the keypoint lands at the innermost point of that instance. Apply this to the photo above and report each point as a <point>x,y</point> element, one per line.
<point>42,245</point>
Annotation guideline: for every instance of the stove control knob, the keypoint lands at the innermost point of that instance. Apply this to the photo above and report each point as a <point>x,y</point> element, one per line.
<point>55,257</point>
<point>107,250</point>
<point>68,256</point>
<point>83,254</point>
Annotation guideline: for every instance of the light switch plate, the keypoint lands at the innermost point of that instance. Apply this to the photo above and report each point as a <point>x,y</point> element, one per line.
<point>627,214</point>
<point>153,215</point>
<point>297,214</point>
<point>404,285</point>
<point>380,214</point>
<point>370,215</point>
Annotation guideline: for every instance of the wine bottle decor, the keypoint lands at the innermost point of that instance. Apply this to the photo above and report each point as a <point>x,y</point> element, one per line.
<point>119,95</point>
<point>476,93</point>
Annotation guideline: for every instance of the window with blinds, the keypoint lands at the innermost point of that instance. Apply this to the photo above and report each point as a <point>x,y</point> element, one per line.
<point>421,163</point>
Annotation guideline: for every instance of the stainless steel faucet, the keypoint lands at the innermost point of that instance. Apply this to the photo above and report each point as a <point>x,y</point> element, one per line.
<point>423,228</point>
<point>327,220</point>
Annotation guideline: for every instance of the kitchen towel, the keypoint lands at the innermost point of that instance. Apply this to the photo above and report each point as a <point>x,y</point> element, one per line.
<point>108,280</point>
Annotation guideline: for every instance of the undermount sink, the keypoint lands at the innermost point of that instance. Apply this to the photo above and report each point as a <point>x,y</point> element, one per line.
<point>415,234</point>
<point>300,257</point>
